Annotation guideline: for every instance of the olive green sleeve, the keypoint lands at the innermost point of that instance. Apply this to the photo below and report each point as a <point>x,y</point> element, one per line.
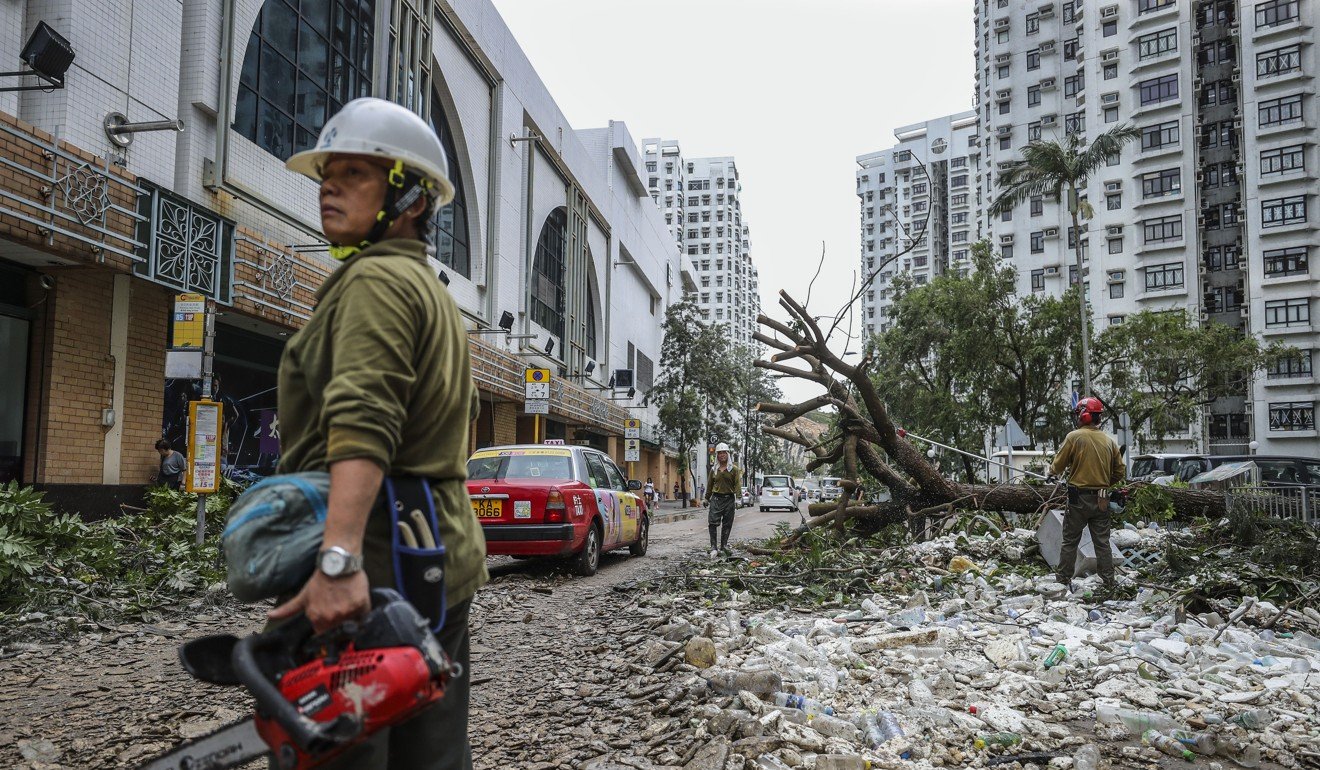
<point>1064,457</point>
<point>372,375</point>
<point>1118,469</point>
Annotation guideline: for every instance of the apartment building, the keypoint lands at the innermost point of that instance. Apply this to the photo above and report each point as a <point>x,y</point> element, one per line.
<point>702,204</point>
<point>919,199</point>
<point>552,250</point>
<point>1212,211</point>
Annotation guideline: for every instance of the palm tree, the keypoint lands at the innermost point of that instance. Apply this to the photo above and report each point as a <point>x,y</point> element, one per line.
<point>1053,168</point>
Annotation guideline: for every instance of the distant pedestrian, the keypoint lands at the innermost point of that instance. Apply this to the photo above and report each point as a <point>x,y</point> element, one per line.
<point>649,489</point>
<point>172,465</point>
<point>724,484</point>
<point>1094,464</point>
<point>675,490</point>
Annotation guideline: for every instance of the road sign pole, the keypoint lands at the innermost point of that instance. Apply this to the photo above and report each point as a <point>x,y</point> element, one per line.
<point>208,359</point>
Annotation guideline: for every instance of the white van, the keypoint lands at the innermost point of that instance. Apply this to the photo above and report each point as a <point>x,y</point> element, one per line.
<point>778,491</point>
<point>830,489</point>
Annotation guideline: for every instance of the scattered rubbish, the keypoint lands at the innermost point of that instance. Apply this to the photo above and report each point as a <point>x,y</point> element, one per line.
<point>1167,745</point>
<point>996,739</point>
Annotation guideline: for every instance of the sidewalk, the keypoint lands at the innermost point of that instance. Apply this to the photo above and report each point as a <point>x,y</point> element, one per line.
<point>673,510</point>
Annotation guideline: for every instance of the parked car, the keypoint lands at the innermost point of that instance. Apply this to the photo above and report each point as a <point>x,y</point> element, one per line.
<point>1273,469</point>
<point>830,489</point>
<point>1147,467</point>
<point>745,499</point>
<point>571,502</point>
<point>778,492</point>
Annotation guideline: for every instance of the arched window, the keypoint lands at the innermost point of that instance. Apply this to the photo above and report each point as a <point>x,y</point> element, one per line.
<point>451,232</point>
<point>304,60</point>
<point>548,273</point>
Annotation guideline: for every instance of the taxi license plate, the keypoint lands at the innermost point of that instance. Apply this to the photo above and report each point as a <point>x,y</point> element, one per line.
<point>773,493</point>
<point>488,509</point>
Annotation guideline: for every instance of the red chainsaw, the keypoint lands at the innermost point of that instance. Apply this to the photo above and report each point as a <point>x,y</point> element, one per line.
<point>316,696</point>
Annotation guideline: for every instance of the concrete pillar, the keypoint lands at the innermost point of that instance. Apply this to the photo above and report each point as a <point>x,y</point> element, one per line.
<point>114,436</point>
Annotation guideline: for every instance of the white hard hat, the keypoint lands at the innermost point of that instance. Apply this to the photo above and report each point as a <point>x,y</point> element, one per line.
<point>722,447</point>
<point>380,129</point>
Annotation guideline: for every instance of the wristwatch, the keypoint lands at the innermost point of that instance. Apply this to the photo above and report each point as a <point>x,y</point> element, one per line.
<point>337,562</point>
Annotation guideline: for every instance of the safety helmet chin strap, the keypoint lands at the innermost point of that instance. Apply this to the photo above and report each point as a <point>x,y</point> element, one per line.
<point>401,192</point>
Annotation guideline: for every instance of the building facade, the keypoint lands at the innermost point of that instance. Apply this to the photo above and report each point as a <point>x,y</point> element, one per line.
<point>918,199</point>
<point>1212,211</point>
<point>551,226</point>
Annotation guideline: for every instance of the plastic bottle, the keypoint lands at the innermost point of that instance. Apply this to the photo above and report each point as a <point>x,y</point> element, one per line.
<point>769,762</point>
<point>872,609</point>
<point>913,616</point>
<point>1136,722</point>
<point>734,682</point>
<point>996,739</point>
<point>810,705</point>
<point>1087,758</point>
<point>763,633</point>
<point>1056,655</point>
<point>1095,617</point>
<point>1244,755</point>
<point>1166,744</point>
<point>1255,719</point>
<point>1201,743</point>
<point>833,727</point>
<point>735,625</point>
<point>841,762</point>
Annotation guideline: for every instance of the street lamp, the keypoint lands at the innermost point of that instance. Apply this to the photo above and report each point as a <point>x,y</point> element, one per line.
<point>1253,446</point>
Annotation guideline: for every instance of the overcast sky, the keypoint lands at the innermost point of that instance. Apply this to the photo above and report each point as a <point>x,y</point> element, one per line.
<point>794,90</point>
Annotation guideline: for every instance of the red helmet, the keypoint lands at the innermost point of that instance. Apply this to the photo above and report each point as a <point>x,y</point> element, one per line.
<point>1088,411</point>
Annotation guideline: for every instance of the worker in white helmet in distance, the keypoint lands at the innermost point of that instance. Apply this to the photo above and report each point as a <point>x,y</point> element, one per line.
<point>725,481</point>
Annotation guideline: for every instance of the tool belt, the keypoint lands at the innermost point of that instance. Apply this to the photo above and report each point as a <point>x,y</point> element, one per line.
<point>418,550</point>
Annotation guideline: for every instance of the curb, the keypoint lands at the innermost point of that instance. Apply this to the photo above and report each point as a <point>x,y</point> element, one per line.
<point>666,517</point>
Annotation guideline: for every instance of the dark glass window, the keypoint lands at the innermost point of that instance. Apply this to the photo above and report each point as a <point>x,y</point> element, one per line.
<point>1159,135</point>
<point>1162,229</point>
<point>548,273</point>
<point>1287,312</point>
<point>1282,160</point>
<point>1291,366</point>
<point>1160,183</point>
<point>1292,415</point>
<point>1276,112</point>
<point>1161,277</point>
<point>1283,211</point>
<point>1146,6</point>
<point>1038,280</point>
<point>1038,242</point>
<point>1275,12</point>
<point>451,232</point>
<point>1157,43</point>
<point>1278,61</point>
<point>1161,89</point>
<point>304,60</point>
<point>1282,262</point>
<point>1033,59</point>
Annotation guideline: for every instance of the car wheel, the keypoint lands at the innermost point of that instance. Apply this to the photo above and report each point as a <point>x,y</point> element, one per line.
<point>763,509</point>
<point>643,538</point>
<point>588,559</point>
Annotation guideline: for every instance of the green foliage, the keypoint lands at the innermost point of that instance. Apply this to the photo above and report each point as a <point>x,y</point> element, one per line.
<point>50,559</point>
<point>1150,502</point>
<point>1050,167</point>
<point>1162,368</point>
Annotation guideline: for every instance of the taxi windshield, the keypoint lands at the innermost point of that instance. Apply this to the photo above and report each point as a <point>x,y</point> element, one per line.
<point>520,466</point>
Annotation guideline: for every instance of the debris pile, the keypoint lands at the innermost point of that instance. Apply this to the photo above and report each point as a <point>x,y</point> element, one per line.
<point>957,655</point>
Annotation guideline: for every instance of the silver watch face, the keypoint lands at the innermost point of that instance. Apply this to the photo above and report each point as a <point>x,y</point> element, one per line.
<point>333,563</point>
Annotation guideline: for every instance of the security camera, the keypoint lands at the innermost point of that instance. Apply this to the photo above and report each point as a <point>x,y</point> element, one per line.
<point>47,282</point>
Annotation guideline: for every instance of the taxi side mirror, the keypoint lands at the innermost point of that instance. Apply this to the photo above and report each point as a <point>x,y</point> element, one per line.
<point>634,484</point>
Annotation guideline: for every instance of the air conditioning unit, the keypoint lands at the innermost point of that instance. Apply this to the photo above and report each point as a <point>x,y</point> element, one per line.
<point>1109,12</point>
<point>1003,58</point>
<point>1046,46</point>
<point>1115,276</point>
<point>1049,120</point>
<point>1004,130</point>
<point>1113,186</point>
<point>1111,55</point>
<point>1109,98</point>
<point>1051,271</point>
<point>1244,311</point>
<point>1006,239</point>
<point>1051,232</point>
<point>1004,94</point>
<point>1001,23</point>
<point>1114,230</point>
<point>1204,316</point>
<point>1046,11</point>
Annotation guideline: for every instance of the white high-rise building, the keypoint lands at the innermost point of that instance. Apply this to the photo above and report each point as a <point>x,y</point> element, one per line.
<point>923,190</point>
<point>1211,211</point>
<point>701,201</point>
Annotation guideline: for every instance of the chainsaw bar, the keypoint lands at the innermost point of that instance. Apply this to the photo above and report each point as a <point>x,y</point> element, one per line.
<point>229,746</point>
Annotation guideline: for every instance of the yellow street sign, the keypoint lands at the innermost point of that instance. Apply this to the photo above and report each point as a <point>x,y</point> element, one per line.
<point>189,320</point>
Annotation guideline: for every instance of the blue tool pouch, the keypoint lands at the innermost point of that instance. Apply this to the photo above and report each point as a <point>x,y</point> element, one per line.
<point>419,571</point>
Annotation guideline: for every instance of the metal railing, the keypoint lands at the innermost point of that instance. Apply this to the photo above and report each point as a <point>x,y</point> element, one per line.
<point>1298,502</point>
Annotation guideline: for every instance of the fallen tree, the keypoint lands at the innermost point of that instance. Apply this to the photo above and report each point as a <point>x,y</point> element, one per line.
<point>867,438</point>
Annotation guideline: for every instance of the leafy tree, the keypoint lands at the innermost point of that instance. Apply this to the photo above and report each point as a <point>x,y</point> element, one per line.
<point>695,389</point>
<point>964,351</point>
<point>1052,167</point>
<point>1161,368</point>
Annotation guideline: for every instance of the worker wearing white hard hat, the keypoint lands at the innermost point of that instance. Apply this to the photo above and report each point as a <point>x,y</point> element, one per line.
<point>725,481</point>
<point>377,389</point>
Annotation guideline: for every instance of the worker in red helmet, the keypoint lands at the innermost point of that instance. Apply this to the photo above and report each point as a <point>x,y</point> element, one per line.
<point>1093,462</point>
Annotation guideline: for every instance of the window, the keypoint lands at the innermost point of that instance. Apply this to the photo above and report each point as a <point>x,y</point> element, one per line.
<point>1146,6</point>
<point>1038,280</point>
<point>1113,201</point>
<point>960,218</point>
<point>1038,242</point>
<point>1228,427</point>
<point>1275,12</point>
<point>959,237</point>
<point>651,166</point>
<point>1291,366</point>
<point>1161,183</point>
<point>1279,61</point>
<point>1282,160</point>
<point>451,222</point>
<point>1069,11</point>
<point>1283,211</point>
<point>1157,43</point>
<point>1162,229</point>
<point>1033,132</point>
<point>1072,84</point>
<point>1001,36</point>
<point>1109,28</point>
<point>1115,245</point>
<point>1284,262</point>
<point>1276,112</point>
<point>548,273</point>
<point>1292,416</point>
<point>1006,215</point>
<point>299,68</point>
<point>1006,251</point>
<point>1109,71</point>
<point>1159,135</point>
<point>1075,122</point>
<point>1033,96</point>
<point>1287,312</point>
<point>1004,107</point>
<point>1037,204</point>
<point>1002,71</point>
<point>1070,49</point>
<point>1162,277</point>
<point>1161,89</point>
<point>1111,114</point>
<point>1116,291</point>
<point>959,200</point>
<point>1033,23</point>
<point>1033,59</point>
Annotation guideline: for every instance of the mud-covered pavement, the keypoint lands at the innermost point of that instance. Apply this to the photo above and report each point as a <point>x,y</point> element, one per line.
<point>553,667</point>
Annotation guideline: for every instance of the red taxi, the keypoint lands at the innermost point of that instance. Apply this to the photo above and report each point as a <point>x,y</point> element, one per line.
<point>568,501</point>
